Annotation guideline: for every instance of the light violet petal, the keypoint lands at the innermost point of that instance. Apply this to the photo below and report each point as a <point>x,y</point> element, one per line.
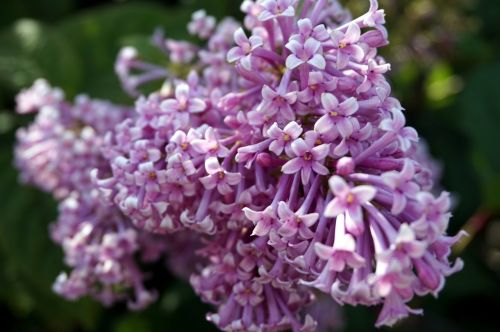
<point>324,252</point>
<point>196,105</point>
<point>345,127</point>
<point>234,54</point>
<point>305,174</point>
<point>320,152</point>
<point>293,62</point>
<point>284,211</point>
<point>276,147</point>
<point>320,169</point>
<point>261,228</point>
<point>349,106</point>
<point>208,182</point>
<point>224,188</point>
<point>324,124</point>
<point>342,60</point>
<point>170,105</point>
<point>356,53</point>
<point>354,220</point>
<point>268,93</point>
<point>309,219</point>
<point>334,208</point>
<point>233,178</point>
<point>338,185</point>
<point>292,166</point>
<point>398,203</point>
<point>352,34</point>
<point>293,129</point>
<point>288,229</point>
<point>364,193</point>
<point>329,102</point>
<point>300,147</point>
<point>294,46</point>
<point>240,37</point>
<point>317,61</point>
<point>312,45</point>
<point>252,215</point>
<point>182,92</point>
<point>212,165</point>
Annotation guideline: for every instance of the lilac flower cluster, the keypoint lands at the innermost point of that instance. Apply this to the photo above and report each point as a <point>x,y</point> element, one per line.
<point>280,161</point>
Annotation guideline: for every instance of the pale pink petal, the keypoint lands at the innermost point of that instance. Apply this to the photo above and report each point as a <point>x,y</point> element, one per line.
<point>345,127</point>
<point>300,147</point>
<point>293,129</point>
<point>268,93</point>
<point>353,33</point>
<point>240,37</point>
<point>234,54</point>
<point>284,211</point>
<point>196,105</point>
<point>338,185</point>
<point>324,252</point>
<point>364,193</point>
<point>293,62</point>
<point>262,228</point>
<point>317,61</point>
<point>348,106</point>
<point>334,208</point>
<point>329,102</point>
<point>309,219</point>
<point>212,165</point>
<point>320,152</point>
<point>252,215</point>
<point>320,169</point>
<point>398,203</point>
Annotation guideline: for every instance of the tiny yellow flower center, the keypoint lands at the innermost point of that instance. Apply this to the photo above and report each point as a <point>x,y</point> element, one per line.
<point>333,113</point>
<point>350,198</point>
<point>286,137</point>
<point>214,148</point>
<point>184,146</point>
<point>342,45</point>
<point>152,175</point>
<point>307,156</point>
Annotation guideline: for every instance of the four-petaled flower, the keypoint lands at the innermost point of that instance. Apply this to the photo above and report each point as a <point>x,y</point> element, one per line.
<point>308,52</point>
<point>279,102</point>
<point>219,177</point>
<point>349,201</point>
<point>283,138</point>
<point>345,43</point>
<point>184,104</point>
<point>295,222</point>
<point>243,51</point>
<point>263,220</point>
<point>337,116</point>
<point>308,158</point>
<point>402,185</point>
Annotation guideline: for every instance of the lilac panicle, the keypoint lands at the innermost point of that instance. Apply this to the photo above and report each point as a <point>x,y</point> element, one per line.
<point>280,163</point>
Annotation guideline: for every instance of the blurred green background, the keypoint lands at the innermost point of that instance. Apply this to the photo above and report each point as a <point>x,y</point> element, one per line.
<point>446,69</point>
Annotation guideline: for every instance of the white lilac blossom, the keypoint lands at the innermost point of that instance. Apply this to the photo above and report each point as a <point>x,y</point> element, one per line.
<point>281,165</point>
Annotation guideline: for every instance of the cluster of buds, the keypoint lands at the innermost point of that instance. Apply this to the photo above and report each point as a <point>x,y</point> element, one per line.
<point>280,162</point>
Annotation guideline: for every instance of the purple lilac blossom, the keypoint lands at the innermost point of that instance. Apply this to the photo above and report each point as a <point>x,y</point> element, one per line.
<point>283,157</point>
